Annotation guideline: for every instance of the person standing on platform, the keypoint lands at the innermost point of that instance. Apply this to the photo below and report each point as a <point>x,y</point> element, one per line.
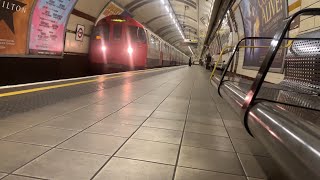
<point>208,61</point>
<point>190,62</point>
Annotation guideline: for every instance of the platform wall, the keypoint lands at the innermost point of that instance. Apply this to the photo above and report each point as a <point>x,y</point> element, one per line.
<point>306,24</point>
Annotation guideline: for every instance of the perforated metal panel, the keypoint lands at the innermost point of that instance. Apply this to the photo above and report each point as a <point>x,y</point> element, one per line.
<point>302,64</point>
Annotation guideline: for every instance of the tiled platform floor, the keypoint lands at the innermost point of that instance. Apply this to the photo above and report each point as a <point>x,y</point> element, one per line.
<point>167,126</point>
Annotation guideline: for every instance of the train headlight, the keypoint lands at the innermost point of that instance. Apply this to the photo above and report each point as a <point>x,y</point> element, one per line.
<point>103,48</point>
<point>130,50</point>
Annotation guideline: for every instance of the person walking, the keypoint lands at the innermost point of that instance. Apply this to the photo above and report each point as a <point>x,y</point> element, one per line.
<point>190,63</point>
<point>208,61</point>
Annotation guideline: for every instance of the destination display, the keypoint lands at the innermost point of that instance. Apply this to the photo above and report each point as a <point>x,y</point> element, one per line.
<point>112,9</point>
<point>48,25</point>
<point>14,22</point>
<point>262,18</point>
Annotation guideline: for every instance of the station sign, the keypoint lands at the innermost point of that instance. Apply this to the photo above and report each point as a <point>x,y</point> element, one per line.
<point>80,32</point>
<point>14,25</point>
<point>48,23</point>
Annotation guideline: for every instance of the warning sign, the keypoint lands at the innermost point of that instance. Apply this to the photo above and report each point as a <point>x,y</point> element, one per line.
<point>80,32</point>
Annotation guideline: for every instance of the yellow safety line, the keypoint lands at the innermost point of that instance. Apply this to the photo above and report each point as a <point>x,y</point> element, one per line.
<point>70,84</point>
<point>252,47</point>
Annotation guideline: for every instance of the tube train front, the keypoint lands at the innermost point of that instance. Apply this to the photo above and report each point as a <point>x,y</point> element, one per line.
<point>119,42</point>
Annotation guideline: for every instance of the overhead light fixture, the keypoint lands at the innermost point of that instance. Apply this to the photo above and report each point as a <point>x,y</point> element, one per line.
<point>190,50</point>
<point>167,8</point>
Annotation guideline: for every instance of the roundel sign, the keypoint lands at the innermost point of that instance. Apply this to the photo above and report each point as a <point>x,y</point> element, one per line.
<point>80,32</point>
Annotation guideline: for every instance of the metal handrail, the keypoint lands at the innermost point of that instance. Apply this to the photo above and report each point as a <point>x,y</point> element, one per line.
<point>228,47</point>
<point>266,64</point>
<point>249,100</point>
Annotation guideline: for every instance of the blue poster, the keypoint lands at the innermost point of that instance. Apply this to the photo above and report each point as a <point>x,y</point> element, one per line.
<point>262,18</point>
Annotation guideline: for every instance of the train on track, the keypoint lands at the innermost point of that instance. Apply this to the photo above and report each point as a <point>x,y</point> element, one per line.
<point>120,42</point>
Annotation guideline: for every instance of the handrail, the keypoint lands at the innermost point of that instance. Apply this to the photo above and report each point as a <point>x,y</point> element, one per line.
<point>228,47</point>
<point>266,64</point>
<point>274,47</point>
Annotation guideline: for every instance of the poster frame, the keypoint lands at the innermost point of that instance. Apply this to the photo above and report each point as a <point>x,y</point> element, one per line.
<point>64,36</point>
<point>26,55</point>
<point>273,70</point>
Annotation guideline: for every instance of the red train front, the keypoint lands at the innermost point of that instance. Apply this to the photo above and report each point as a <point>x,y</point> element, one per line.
<point>118,42</point>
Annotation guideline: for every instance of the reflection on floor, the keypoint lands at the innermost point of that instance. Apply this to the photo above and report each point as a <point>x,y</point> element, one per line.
<point>167,126</point>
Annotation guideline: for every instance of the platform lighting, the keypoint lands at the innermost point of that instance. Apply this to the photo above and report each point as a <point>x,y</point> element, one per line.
<point>167,8</point>
<point>190,50</point>
<point>172,16</point>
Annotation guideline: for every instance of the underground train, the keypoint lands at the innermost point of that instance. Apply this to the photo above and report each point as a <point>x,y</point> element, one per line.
<point>123,43</point>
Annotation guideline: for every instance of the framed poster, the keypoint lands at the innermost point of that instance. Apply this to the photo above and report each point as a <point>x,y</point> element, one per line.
<point>80,32</point>
<point>262,18</point>
<point>47,30</point>
<point>14,25</point>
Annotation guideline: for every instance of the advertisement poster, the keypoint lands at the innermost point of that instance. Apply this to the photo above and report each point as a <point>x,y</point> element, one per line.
<point>262,18</point>
<point>14,25</point>
<point>48,25</point>
<point>112,9</point>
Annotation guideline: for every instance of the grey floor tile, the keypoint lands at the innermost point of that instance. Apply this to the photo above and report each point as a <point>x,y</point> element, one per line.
<point>2,175</point>
<point>42,136</point>
<point>251,166</point>
<point>123,130</point>
<point>150,99</point>
<point>149,151</point>
<point>164,124</point>
<point>15,177</point>
<point>239,133</point>
<point>135,112</point>
<point>7,129</point>
<point>161,135</point>
<point>250,147</point>
<point>206,129</point>
<point>207,141</point>
<point>70,124</point>
<point>233,123</point>
<point>100,111</point>
<point>133,105</point>
<point>62,164</point>
<point>30,118</point>
<point>14,155</point>
<point>169,115</point>
<point>173,109</point>
<point>214,120</point>
<point>220,161</point>
<point>227,113</point>
<point>251,178</point>
<point>125,119</point>
<point>94,143</point>
<point>192,174</point>
<point>126,169</point>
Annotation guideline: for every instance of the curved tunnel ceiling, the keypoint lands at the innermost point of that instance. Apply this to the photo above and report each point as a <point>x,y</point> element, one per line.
<point>192,15</point>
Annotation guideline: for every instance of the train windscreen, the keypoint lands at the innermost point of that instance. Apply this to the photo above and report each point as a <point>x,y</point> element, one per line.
<point>101,32</point>
<point>137,34</point>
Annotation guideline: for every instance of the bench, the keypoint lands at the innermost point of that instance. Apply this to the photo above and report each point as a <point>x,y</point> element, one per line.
<point>284,117</point>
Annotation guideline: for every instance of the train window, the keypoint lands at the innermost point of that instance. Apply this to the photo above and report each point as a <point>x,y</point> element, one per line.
<point>101,32</point>
<point>137,34</point>
<point>142,35</point>
<point>117,31</point>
